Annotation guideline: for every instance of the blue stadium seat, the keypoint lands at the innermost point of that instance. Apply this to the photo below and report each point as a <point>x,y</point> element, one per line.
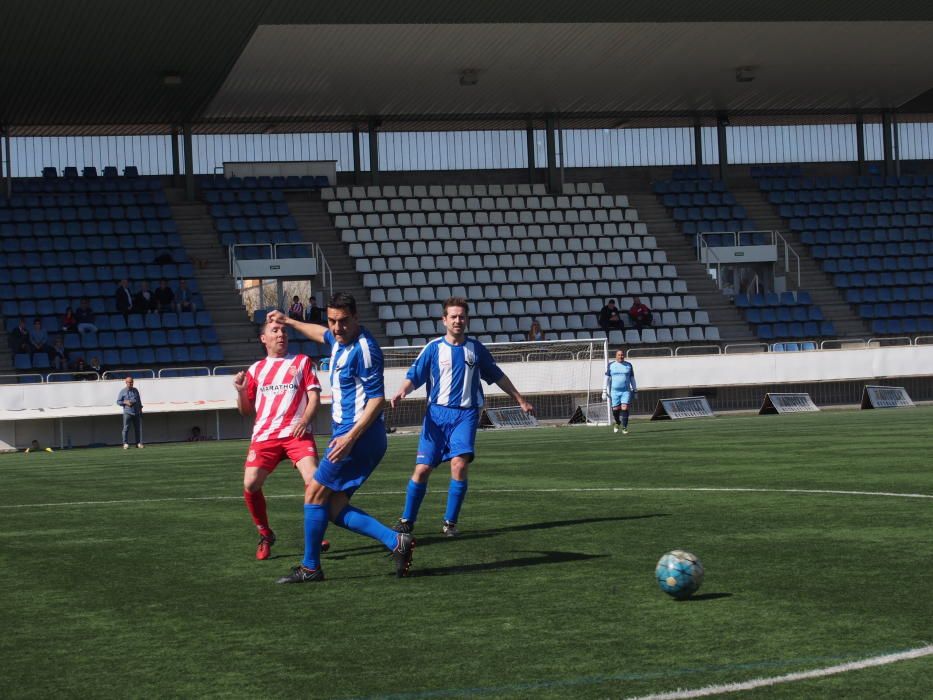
<point>181,354</point>
<point>163,356</point>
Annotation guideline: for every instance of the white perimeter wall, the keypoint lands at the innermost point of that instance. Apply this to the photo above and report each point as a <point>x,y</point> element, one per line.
<point>87,411</point>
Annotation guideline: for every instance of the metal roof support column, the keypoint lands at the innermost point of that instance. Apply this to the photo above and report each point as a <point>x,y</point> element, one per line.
<point>530,146</point>
<point>189,162</point>
<point>176,161</point>
<point>560,140</point>
<point>8,159</point>
<point>552,183</point>
<point>356,155</point>
<point>886,143</point>
<point>697,142</point>
<point>374,151</point>
<point>860,143</point>
<point>897,144</point>
<point>721,123</point>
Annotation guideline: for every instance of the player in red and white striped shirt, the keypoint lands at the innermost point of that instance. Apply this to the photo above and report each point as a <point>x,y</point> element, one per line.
<point>284,393</point>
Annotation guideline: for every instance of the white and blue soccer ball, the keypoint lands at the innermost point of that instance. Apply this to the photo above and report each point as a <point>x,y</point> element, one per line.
<point>679,574</point>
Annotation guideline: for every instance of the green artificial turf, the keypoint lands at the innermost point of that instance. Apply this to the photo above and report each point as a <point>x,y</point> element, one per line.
<point>132,574</point>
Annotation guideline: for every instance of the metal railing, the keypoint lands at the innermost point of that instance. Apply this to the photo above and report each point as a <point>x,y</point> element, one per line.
<point>706,253</point>
<point>324,274</point>
<point>165,370</point>
<point>142,373</point>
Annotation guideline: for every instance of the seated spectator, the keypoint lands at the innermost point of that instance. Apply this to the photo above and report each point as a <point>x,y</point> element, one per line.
<point>609,318</point>
<point>123,298</point>
<point>728,291</point>
<point>184,299</point>
<point>85,317</point>
<point>164,257</point>
<point>640,314</point>
<point>69,322</point>
<point>297,309</point>
<point>95,366</point>
<point>314,313</point>
<point>81,371</point>
<point>165,297</point>
<point>145,301</point>
<point>58,356</point>
<point>38,339</point>
<point>535,334</point>
<point>19,338</point>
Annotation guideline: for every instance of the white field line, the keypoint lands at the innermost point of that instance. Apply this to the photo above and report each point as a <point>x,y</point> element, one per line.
<point>792,677</point>
<point>595,489</point>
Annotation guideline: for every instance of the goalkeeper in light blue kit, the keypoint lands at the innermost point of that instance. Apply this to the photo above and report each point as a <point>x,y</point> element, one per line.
<point>452,367</point>
<point>620,389</point>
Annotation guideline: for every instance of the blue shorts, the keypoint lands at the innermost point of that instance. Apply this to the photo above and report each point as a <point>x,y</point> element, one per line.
<point>447,433</point>
<point>620,397</point>
<point>350,472</point>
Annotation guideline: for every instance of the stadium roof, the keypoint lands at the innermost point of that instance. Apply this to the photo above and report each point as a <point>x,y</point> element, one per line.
<point>105,66</point>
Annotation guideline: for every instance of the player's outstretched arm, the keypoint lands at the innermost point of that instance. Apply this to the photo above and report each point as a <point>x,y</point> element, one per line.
<point>506,385</point>
<point>243,404</point>
<point>312,331</point>
<point>406,388</point>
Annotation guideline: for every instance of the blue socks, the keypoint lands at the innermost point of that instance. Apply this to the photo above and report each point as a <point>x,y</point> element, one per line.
<point>315,527</point>
<point>414,494</point>
<point>455,495</point>
<point>357,521</point>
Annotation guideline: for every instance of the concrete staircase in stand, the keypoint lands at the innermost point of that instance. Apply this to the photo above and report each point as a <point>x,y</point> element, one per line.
<point>234,328</point>
<point>317,227</point>
<point>812,279</point>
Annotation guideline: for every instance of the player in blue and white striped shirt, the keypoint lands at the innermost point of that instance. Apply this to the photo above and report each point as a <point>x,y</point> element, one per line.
<point>358,438</point>
<point>452,367</point>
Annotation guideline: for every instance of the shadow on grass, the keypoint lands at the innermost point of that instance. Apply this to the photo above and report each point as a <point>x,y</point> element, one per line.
<point>537,560</point>
<point>705,596</point>
<point>427,540</point>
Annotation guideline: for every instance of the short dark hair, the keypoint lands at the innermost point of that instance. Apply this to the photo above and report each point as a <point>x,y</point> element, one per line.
<point>343,301</point>
<point>456,301</point>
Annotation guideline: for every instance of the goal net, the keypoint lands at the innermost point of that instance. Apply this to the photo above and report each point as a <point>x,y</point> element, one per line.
<point>556,376</point>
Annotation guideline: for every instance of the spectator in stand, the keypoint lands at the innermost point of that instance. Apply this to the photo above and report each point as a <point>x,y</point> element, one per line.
<point>95,366</point>
<point>609,318</point>
<point>69,321</point>
<point>164,297</point>
<point>314,313</point>
<point>297,310</point>
<point>123,298</point>
<point>184,299</point>
<point>728,290</point>
<point>19,338</point>
<point>85,317</point>
<point>58,356</point>
<point>535,334</point>
<point>38,339</point>
<point>79,367</point>
<point>145,301</point>
<point>640,314</point>
<point>195,435</point>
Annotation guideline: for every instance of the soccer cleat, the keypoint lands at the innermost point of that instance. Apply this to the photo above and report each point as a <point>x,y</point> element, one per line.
<point>301,574</point>
<point>404,548</point>
<point>403,525</point>
<point>450,529</point>
<point>625,431</point>
<point>125,446</point>
<point>264,549</point>
<point>615,428</point>
<point>139,445</point>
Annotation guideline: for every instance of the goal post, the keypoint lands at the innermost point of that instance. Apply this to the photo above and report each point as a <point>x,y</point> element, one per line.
<point>556,376</point>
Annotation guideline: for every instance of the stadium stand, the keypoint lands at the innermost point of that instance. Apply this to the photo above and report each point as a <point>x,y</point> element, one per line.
<point>518,253</point>
<point>786,315</point>
<point>73,237</point>
<point>872,235</point>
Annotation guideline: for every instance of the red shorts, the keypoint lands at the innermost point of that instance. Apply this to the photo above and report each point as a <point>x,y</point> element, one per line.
<point>268,453</point>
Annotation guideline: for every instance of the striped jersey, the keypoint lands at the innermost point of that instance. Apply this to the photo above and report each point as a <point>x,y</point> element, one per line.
<point>621,376</point>
<point>452,372</point>
<point>278,389</point>
<point>355,377</point>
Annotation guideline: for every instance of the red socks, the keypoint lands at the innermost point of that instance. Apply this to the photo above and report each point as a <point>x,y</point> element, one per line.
<point>256,505</point>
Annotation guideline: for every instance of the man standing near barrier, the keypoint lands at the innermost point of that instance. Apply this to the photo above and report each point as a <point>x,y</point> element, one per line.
<point>284,393</point>
<point>132,404</point>
<point>620,389</point>
<point>452,367</point>
<point>358,438</point>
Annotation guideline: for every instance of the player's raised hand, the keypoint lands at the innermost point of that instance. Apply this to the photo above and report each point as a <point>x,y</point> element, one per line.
<point>276,316</point>
<point>239,381</point>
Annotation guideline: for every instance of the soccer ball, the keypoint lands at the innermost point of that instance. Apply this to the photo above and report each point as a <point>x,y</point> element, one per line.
<point>679,574</point>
